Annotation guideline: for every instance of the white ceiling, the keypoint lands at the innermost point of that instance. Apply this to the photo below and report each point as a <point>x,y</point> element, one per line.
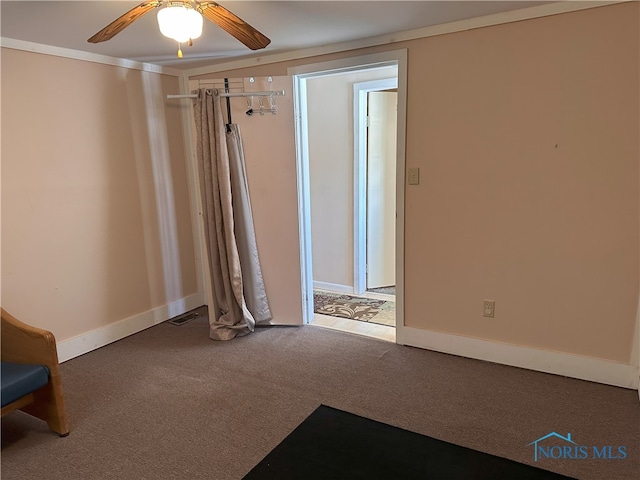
<point>290,25</point>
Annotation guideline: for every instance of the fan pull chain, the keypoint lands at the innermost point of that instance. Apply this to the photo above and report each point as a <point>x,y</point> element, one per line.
<point>189,43</point>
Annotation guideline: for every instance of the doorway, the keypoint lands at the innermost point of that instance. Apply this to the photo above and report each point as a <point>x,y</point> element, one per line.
<point>303,80</point>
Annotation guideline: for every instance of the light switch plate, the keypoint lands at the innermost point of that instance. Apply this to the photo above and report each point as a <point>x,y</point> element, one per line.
<point>414,176</point>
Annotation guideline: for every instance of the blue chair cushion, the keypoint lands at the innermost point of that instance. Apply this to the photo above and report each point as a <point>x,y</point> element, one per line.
<point>20,379</point>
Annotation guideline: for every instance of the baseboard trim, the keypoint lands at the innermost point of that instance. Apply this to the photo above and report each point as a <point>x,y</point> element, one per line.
<point>557,363</point>
<point>87,342</point>
<point>333,287</point>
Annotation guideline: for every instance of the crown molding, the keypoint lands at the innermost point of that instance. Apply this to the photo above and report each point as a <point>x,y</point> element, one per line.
<point>86,56</point>
<point>537,11</point>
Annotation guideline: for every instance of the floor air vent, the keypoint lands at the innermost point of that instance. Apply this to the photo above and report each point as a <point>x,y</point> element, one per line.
<point>184,318</point>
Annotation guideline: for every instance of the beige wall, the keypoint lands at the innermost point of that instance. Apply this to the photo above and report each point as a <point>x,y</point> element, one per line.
<point>95,213</point>
<point>527,138</point>
<point>331,166</point>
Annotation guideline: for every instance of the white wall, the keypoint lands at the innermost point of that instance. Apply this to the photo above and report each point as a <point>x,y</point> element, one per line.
<point>331,167</point>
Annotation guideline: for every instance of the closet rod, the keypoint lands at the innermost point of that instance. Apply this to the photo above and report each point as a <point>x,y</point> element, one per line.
<point>275,93</point>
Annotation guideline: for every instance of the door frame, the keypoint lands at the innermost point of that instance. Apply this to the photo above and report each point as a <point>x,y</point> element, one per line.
<point>300,74</point>
<point>360,92</point>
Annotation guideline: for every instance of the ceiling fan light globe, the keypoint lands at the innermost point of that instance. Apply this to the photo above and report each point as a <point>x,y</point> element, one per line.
<point>180,23</point>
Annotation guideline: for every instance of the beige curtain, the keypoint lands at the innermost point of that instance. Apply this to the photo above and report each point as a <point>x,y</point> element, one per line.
<point>238,290</point>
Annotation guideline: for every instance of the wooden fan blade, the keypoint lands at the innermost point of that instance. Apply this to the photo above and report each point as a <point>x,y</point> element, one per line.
<point>233,25</point>
<point>122,22</point>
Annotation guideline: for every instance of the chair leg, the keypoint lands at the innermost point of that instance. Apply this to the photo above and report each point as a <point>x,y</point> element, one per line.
<point>48,405</point>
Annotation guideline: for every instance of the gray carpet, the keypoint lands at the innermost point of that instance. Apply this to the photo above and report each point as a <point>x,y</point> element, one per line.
<point>168,403</point>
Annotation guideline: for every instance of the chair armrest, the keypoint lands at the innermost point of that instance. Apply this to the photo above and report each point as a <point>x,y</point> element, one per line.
<point>22,343</point>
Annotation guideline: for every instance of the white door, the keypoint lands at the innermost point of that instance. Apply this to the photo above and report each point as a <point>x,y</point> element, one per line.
<point>381,189</point>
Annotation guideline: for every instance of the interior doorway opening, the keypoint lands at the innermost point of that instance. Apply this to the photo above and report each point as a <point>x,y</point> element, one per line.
<point>388,72</point>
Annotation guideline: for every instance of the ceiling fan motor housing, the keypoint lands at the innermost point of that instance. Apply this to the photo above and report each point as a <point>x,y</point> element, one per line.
<point>180,21</point>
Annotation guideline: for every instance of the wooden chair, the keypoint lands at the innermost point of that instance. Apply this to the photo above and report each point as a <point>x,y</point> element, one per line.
<point>24,344</point>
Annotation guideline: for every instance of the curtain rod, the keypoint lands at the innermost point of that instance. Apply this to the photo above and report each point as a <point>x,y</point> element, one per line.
<point>275,93</point>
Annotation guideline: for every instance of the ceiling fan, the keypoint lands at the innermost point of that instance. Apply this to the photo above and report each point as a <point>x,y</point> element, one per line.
<point>182,21</point>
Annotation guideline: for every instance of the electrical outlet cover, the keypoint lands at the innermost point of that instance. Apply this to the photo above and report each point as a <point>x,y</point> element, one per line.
<point>488,308</point>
